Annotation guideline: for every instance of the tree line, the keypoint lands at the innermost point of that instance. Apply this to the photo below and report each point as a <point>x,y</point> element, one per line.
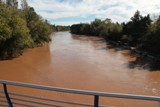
<point>20,28</point>
<point>140,32</point>
<point>60,28</point>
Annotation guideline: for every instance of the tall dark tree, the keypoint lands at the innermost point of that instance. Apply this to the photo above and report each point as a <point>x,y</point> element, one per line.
<point>136,28</point>
<point>95,27</point>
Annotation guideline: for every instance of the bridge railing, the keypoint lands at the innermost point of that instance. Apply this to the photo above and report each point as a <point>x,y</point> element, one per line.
<point>11,102</point>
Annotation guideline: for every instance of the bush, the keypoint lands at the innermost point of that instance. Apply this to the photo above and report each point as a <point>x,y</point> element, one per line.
<point>20,29</point>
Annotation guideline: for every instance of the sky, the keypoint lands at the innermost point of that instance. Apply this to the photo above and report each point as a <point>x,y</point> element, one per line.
<point>68,12</point>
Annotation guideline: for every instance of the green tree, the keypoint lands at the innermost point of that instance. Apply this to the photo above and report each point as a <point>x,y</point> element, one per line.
<point>95,27</point>
<point>14,34</point>
<point>5,29</point>
<point>151,39</point>
<point>20,29</point>
<point>39,29</point>
<point>136,28</point>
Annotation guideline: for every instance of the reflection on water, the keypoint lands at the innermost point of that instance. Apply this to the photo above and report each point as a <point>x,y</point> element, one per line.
<point>80,62</point>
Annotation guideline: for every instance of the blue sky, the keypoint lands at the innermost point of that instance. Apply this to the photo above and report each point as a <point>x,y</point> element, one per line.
<point>68,12</point>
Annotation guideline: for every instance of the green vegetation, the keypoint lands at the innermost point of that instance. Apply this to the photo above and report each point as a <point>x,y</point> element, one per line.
<point>60,28</point>
<point>140,32</point>
<point>20,29</point>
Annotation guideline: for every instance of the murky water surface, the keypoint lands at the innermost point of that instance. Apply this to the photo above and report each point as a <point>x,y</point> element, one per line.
<point>86,63</point>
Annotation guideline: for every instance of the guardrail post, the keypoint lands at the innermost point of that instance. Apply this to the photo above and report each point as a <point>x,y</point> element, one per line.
<point>96,101</point>
<point>7,96</point>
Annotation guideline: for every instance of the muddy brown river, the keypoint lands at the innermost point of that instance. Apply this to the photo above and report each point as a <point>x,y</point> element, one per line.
<point>86,63</point>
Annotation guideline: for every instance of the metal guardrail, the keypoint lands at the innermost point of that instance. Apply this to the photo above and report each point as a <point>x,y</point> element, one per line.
<point>11,103</point>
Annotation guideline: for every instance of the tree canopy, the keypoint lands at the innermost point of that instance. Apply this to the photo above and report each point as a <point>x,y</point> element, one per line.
<point>140,32</point>
<point>20,28</point>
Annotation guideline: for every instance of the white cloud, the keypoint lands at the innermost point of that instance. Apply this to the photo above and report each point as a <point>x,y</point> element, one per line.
<point>117,10</point>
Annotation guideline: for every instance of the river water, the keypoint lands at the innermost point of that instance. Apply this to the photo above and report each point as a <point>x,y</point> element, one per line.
<point>86,63</point>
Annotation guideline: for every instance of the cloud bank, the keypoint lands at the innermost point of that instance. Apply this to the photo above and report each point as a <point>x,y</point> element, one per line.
<point>67,12</point>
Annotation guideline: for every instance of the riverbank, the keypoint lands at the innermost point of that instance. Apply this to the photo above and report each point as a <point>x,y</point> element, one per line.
<point>144,59</point>
<point>138,34</point>
<point>84,63</point>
